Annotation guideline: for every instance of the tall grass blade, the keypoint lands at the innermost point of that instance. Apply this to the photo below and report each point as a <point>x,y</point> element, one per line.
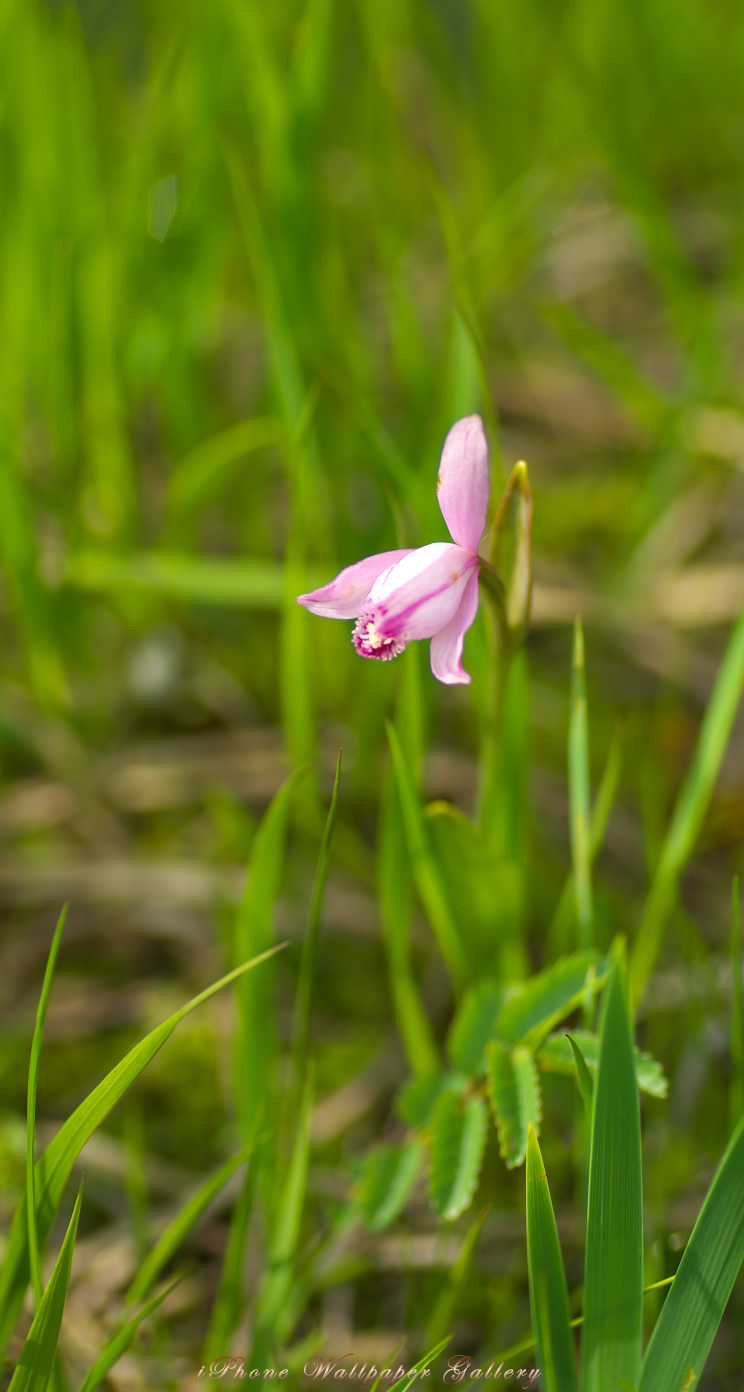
<point>54,1165</point>
<point>689,810</point>
<point>36,1362</point>
<point>121,1340</point>
<point>301,1028</point>
<point>228,1301</point>
<point>426,872</point>
<point>548,1290</point>
<point>579,792</point>
<point>736,1095</point>
<point>613,1283</point>
<point>444,1310</point>
<point>685,1330</point>
<point>33,1075</point>
<point>170,1240</point>
<point>271,1317</point>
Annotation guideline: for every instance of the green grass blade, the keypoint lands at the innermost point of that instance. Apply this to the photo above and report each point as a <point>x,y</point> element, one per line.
<point>583,1076</point>
<point>277,1282</point>
<point>301,1027</point>
<point>689,810</point>
<point>38,1353</point>
<point>443,1312</point>
<point>412,1377</point>
<point>170,1240</point>
<point>122,1339</point>
<point>255,1042</point>
<point>557,1055</point>
<point>736,1094</point>
<point>613,1284</point>
<point>228,1301</point>
<point>548,1290</point>
<point>33,1075</point>
<point>559,935</point>
<point>54,1165</point>
<point>685,1330</point>
<point>428,880</point>
<point>579,791</point>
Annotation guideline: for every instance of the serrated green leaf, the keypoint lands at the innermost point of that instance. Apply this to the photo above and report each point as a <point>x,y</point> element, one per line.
<point>613,1283</point>
<point>548,1290</point>
<point>555,1056</point>
<point>514,1092</point>
<point>685,1330</point>
<point>533,1009</point>
<point>37,1355</point>
<point>416,1101</point>
<point>458,1141</point>
<point>474,1026</point>
<point>389,1174</point>
<point>54,1165</point>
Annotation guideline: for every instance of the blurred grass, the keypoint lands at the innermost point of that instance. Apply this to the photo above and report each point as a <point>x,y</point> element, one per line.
<point>255,260</point>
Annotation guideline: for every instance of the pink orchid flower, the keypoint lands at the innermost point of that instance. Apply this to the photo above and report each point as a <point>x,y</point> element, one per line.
<point>430,592</point>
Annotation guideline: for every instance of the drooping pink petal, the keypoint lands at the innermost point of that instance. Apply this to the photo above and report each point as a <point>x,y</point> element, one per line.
<point>419,595</point>
<point>446,645</point>
<point>343,597</point>
<point>462,484</point>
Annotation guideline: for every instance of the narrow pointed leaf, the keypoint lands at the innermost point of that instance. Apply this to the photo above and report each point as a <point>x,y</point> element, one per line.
<point>33,1074</point>
<point>516,1103</point>
<point>458,1141</point>
<point>548,1291</point>
<point>685,1330</point>
<point>510,551</point>
<point>580,792</point>
<point>556,1056</point>
<point>170,1240</point>
<point>37,1355</point>
<point>583,1076</point>
<point>54,1165</point>
<point>123,1338</point>
<point>613,1284</point>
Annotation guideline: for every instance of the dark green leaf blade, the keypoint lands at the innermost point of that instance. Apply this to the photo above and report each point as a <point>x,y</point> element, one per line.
<point>712,1259</point>
<point>37,1355</point>
<point>613,1284</point>
<point>548,1291</point>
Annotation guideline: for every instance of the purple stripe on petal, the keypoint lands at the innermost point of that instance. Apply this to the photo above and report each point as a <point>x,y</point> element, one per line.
<point>343,597</point>
<point>462,485</point>
<point>420,594</point>
<point>446,645</point>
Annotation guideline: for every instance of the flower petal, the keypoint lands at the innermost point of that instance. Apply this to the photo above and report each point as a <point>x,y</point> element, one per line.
<point>343,597</point>
<point>419,595</point>
<point>446,645</point>
<point>462,484</point>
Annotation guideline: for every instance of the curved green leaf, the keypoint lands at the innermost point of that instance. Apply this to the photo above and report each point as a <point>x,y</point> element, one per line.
<point>533,1009</point>
<point>122,1338</point>
<point>555,1057</point>
<point>474,1026</point>
<point>54,1165</point>
<point>516,1103</point>
<point>712,1259</point>
<point>388,1177</point>
<point>458,1141</point>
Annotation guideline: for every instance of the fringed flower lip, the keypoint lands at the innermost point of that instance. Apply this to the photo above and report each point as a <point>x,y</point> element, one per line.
<point>432,591</point>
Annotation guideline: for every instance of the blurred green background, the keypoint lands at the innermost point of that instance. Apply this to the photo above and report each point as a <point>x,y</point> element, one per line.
<point>255,260</point>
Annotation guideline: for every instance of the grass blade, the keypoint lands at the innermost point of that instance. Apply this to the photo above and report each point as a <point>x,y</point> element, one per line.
<point>33,1075</point>
<point>37,1355</point>
<point>272,1297</point>
<point>689,810</point>
<point>583,1076</point>
<point>301,1025</point>
<point>712,1259</point>
<point>613,1284</point>
<point>229,1298</point>
<point>170,1240</point>
<point>579,792</point>
<point>548,1290</point>
<point>444,1309</point>
<point>736,1095</point>
<point>426,873</point>
<point>122,1338</point>
<point>54,1165</point>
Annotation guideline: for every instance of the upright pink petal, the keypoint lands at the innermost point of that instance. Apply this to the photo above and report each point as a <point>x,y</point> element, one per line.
<point>446,645</point>
<point>419,595</point>
<point>343,597</point>
<point>462,485</point>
